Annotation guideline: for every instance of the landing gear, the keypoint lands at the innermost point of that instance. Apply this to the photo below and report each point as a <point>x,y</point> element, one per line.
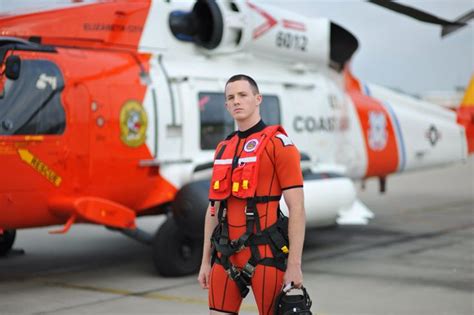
<point>6,241</point>
<point>189,207</point>
<point>175,253</point>
<point>177,246</point>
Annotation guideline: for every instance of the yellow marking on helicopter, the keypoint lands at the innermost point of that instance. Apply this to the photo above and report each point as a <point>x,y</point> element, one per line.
<point>27,157</point>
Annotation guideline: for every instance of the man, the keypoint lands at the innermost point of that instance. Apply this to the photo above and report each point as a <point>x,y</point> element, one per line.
<point>253,167</point>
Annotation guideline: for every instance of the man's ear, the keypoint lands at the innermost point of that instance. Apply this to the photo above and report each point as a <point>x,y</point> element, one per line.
<point>259,99</point>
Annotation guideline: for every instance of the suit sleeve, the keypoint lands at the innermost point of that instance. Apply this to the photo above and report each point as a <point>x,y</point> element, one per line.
<point>287,162</point>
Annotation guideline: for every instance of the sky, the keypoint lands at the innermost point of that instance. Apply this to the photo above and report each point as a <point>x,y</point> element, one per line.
<point>394,50</point>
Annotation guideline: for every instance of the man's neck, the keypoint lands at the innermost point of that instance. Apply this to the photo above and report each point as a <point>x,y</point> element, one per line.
<point>249,123</point>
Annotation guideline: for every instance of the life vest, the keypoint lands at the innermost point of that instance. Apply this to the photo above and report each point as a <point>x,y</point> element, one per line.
<point>238,176</point>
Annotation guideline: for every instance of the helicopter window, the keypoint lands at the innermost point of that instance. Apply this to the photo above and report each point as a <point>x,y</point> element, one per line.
<point>31,104</point>
<point>270,110</point>
<point>216,123</point>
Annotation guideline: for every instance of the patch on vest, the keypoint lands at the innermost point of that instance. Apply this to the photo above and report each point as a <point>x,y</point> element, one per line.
<point>251,145</point>
<point>284,139</point>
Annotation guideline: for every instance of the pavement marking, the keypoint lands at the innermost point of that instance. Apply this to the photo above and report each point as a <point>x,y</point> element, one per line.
<point>146,294</point>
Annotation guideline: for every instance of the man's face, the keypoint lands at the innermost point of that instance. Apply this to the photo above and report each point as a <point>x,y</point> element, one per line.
<point>241,102</point>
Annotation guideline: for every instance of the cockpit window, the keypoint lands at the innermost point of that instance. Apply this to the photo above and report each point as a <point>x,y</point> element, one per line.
<point>31,104</point>
<point>216,122</point>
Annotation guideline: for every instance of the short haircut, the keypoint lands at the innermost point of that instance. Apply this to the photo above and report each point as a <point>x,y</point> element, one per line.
<point>238,77</point>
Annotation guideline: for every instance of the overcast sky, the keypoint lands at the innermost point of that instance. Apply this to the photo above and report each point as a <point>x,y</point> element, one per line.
<point>398,51</point>
<point>395,50</point>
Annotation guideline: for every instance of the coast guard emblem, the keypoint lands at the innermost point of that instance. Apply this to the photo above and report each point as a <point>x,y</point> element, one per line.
<point>377,131</point>
<point>251,145</point>
<point>133,124</point>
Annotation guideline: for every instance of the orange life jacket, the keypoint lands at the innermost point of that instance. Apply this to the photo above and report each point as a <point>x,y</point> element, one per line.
<point>238,175</point>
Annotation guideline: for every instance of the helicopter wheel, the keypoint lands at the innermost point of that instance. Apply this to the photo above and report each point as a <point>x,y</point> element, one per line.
<point>174,253</point>
<point>6,241</point>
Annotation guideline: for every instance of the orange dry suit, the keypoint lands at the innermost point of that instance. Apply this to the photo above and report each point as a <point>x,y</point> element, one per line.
<point>250,171</point>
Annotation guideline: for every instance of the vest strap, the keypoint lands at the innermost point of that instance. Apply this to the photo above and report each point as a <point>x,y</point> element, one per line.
<point>265,199</point>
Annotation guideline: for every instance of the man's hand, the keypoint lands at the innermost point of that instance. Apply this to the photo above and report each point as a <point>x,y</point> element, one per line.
<point>204,273</point>
<point>293,274</point>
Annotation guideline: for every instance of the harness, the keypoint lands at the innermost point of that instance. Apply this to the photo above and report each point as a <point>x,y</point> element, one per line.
<point>238,176</point>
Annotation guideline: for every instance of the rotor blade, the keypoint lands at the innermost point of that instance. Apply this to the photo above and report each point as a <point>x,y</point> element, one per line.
<point>415,13</point>
<point>446,30</point>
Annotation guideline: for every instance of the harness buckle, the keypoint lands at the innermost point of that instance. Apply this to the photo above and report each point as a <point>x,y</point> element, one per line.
<point>249,213</point>
<point>233,272</point>
<point>237,244</point>
<point>224,213</point>
<point>248,270</point>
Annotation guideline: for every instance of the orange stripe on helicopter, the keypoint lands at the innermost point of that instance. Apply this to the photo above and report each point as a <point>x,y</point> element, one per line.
<point>89,25</point>
<point>381,144</point>
<point>298,26</point>
<point>379,135</point>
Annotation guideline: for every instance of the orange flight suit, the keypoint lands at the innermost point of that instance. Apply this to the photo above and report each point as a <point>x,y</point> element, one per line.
<point>279,170</point>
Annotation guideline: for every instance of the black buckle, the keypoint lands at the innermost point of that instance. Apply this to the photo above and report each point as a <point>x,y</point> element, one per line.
<point>235,244</point>
<point>222,241</point>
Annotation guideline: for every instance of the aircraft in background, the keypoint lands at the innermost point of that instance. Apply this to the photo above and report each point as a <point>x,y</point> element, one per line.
<point>111,110</point>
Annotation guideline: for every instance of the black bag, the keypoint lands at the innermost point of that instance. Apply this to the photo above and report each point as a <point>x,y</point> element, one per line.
<point>293,304</point>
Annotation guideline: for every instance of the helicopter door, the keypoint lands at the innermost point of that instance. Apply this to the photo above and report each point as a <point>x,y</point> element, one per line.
<point>309,119</point>
<point>32,125</point>
<point>167,131</point>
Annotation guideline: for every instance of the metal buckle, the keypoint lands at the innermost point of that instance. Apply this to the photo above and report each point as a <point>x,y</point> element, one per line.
<point>248,270</point>
<point>233,272</point>
<point>249,213</point>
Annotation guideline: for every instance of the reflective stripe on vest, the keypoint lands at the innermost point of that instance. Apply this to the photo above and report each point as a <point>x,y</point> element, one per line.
<point>223,162</point>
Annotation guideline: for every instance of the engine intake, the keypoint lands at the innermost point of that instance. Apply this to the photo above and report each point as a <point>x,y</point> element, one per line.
<point>204,25</point>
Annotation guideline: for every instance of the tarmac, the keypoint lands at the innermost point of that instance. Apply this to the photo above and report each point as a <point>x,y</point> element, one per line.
<point>415,257</point>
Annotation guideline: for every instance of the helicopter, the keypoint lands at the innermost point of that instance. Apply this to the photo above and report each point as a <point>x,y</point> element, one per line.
<point>111,110</point>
